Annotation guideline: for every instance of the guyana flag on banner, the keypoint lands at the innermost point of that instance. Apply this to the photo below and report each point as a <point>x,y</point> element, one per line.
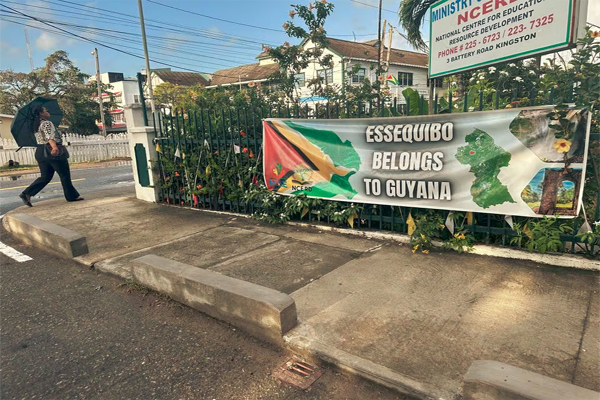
<point>301,159</point>
<point>392,78</point>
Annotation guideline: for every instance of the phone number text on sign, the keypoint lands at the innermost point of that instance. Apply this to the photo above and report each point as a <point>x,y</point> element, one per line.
<point>473,33</point>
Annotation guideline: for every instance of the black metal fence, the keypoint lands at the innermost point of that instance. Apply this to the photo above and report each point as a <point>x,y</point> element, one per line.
<point>212,158</point>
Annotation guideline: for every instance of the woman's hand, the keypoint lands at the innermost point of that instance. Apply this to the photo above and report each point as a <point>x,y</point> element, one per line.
<point>54,146</point>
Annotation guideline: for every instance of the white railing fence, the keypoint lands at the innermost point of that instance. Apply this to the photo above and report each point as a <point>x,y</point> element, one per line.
<point>81,149</point>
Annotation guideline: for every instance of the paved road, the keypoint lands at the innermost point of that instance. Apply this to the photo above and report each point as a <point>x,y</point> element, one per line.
<point>73,333</point>
<point>86,181</point>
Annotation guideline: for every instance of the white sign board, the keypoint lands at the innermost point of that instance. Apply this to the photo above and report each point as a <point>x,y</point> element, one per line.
<point>468,34</point>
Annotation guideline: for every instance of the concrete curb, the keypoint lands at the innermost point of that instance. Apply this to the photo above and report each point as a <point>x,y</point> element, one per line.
<point>492,380</point>
<point>260,311</point>
<point>45,235</point>
<point>313,350</point>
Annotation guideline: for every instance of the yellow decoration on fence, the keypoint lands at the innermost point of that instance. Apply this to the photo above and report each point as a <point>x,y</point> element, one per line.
<point>351,219</point>
<point>410,222</point>
<point>527,232</point>
<point>304,212</point>
<point>158,148</point>
<point>470,218</point>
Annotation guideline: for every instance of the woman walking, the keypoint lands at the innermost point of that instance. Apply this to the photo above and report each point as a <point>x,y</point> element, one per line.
<point>51,156</point>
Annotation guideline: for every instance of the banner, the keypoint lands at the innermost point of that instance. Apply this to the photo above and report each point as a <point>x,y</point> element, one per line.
<point>469,34</point>
<point>502,162</point>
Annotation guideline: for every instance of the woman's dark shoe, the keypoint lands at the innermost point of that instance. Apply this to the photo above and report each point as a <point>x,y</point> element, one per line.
<point>78,199</point>
<point>26,199</point>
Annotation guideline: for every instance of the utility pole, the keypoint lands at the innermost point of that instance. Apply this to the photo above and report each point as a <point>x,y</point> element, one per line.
<point>379,36</point>
<point>379,49</point>
<point>100,100</point>
<point>28,50</point>
<point>148,73</point>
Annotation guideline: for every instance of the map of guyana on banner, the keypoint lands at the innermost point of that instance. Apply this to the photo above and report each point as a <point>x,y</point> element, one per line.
<point>502,162</point>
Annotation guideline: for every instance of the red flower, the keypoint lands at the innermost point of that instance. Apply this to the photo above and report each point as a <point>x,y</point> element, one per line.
<point>251,155</point>
<point>199,186</point>
<point>195,200</point>
<point>245,150</point>
<point>176,173</point>
<point>242,133</point>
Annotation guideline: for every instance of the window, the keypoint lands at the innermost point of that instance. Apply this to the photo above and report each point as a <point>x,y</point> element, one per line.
<point>136,99</point>
<point>438,82</point>
<point>359,76</point>
<point>326,75</point>
<point>405,78</point>
<point>299,79</point>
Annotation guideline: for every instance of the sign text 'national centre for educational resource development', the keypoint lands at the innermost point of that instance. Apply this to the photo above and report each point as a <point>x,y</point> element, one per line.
<point>466,34</point>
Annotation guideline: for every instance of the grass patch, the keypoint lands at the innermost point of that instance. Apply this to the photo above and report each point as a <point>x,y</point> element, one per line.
<point>20,167</point>
<point>135,287</point>
<point>144,290</point>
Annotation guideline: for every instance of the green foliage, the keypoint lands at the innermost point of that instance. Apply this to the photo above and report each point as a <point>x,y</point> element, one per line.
<point>428,226</point>
<point>292,59</point>
<point>413,98</point>
<point>462,240</point>
<point>591,240</point>
<point>542,235</point>
<point>59,78</point>
<point>273,208</point>
<point>168,94</point>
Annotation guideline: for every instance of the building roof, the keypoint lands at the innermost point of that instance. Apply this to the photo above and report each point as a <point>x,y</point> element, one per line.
<point>368,51</point>
<point>182,78</point>
<point>243,73</point>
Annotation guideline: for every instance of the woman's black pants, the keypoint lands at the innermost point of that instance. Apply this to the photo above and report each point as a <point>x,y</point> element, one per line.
<point>47,168</point>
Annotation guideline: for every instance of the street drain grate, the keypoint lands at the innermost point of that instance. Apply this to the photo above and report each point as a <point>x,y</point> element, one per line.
<point>297,373</point>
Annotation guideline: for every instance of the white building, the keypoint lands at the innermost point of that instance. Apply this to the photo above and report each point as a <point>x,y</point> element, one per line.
<point>125,91</point>
<point>408,67</point>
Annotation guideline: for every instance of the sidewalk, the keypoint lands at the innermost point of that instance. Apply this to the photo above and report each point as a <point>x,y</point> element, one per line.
<point>18,171</point>
<point>411,321</point>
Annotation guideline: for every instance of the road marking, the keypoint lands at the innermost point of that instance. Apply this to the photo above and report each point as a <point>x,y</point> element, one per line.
<point>14,254</point>
<point>51,183</point>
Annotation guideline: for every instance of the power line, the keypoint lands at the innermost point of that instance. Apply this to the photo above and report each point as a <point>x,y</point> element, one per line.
<point>129,47</point>
<point>244,38</point>
<point>374,6</point>
<point>185,30</point>
<point>228,21</point>
<point>110,33</point>
<point>215,18</point>
<point>111,47</point>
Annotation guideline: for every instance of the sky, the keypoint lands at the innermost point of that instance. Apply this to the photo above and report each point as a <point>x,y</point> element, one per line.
<point>208,36</point>
<point>186,35</point>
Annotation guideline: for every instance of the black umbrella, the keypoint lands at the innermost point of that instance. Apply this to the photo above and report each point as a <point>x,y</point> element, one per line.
<point>22,125</point>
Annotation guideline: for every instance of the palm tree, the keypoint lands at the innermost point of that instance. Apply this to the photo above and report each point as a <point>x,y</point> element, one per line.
<point>411,14</point>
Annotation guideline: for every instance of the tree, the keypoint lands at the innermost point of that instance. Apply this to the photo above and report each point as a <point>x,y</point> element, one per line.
<point>168,94</point>
<point>411,14</point>
<point>59,78</point>
<point>292,59</point>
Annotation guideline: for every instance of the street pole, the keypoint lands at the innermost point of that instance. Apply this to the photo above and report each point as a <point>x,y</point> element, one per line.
<point>100,100</point>
<point>148,73</point>
<point>379,52</point>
